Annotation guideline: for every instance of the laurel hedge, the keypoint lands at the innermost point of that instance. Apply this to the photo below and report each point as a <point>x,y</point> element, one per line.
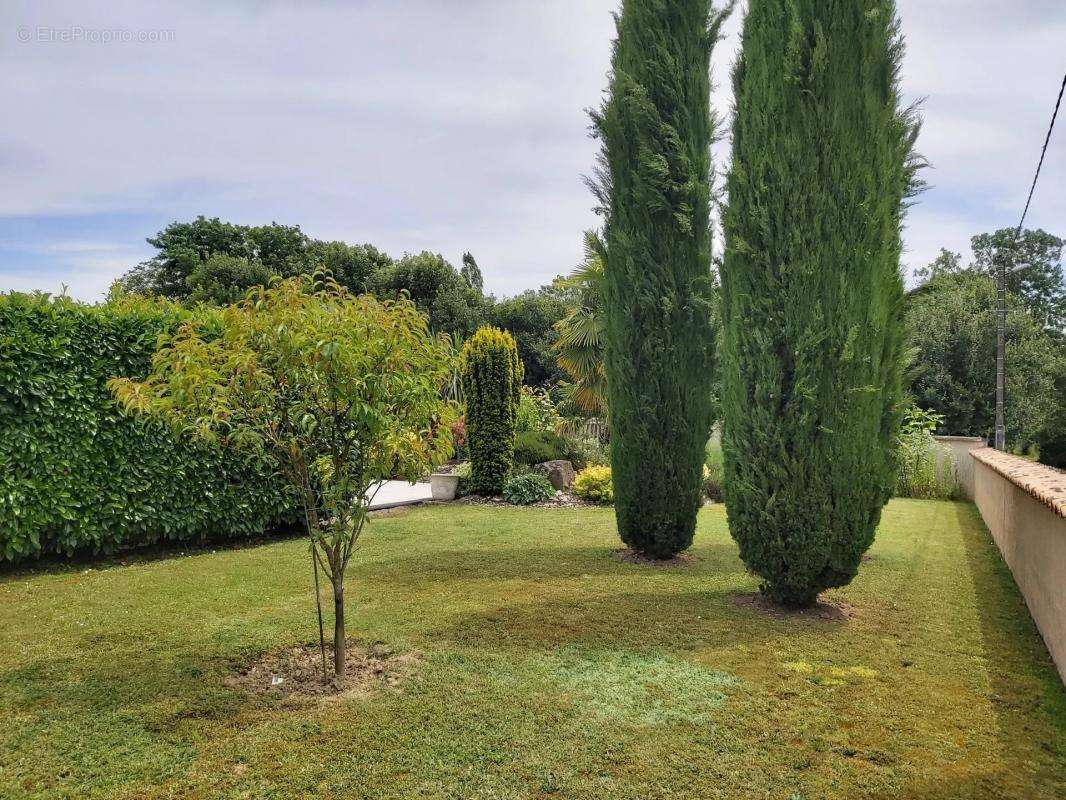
<point>76,474</point>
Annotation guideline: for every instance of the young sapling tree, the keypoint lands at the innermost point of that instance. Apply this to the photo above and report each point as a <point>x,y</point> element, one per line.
<point>342,391</point>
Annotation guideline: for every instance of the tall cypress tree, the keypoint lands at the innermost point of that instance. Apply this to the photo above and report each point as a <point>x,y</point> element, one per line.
<point>654,185</point>
<point>811,290</point>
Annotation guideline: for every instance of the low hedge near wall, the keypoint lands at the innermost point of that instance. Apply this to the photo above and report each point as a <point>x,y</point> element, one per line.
<point>76,474</point>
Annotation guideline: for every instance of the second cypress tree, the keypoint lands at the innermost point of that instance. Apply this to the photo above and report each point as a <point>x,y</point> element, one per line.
<point>654,185</point>
<point>811,289</point>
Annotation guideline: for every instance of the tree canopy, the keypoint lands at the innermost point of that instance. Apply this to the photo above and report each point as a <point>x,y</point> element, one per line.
<point>951,320</point>
<point>344,391</point>
<point>180,270</point>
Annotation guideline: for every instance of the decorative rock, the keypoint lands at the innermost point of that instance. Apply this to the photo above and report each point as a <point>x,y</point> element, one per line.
<point>559,472</point>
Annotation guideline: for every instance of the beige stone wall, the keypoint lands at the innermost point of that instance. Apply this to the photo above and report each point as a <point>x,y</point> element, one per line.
<point>1024,506</point>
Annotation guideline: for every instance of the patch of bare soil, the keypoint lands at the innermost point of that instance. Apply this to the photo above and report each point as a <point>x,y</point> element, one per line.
<point>826,609</point>
<point>629,556</point>
<point>296,673</point>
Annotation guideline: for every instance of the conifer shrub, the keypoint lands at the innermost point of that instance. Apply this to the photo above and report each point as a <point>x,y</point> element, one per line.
<point>492,380</point>
<point>812,296</point>
<point>654,186</point>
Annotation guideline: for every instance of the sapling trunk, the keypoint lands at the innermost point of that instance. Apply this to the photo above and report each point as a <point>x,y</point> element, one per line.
<point>338,626</point>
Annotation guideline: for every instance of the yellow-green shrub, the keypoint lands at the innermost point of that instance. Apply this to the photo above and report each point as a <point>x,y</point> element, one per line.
<point>594,484</point>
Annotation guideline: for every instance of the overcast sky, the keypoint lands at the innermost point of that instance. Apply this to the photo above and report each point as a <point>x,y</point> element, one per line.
<point>446,125</point>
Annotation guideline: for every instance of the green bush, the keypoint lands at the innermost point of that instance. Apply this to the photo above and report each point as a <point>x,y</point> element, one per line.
<point>926,467</point>
<point>536,411</point>
<point>526,488</point>
<point>594,484</point>
<point>462,488</point>
<point>77,474</point>
<point>536,447</point>
<point>714,472</point>
<point>492,379</point>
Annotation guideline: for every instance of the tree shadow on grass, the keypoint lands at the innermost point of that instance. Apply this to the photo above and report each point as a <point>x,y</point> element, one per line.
<point>547,564</point>
<point>1028,696</point>
<point>59,564</point>
<point>681,619</point>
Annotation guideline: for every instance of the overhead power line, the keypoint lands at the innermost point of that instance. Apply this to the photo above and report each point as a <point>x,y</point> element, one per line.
<point>1043,153</point>
<point>1001,287</point>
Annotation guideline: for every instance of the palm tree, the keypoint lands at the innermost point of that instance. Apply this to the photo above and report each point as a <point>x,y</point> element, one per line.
<point>582,332</point>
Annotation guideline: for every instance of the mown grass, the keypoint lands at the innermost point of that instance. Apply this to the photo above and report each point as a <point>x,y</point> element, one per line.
<point>549,669</point>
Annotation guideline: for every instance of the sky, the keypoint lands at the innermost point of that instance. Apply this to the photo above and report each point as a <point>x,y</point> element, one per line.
<point>442,125</point>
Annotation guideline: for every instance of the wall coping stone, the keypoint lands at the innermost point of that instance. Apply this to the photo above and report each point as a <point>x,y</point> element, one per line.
<point>1046,484</point>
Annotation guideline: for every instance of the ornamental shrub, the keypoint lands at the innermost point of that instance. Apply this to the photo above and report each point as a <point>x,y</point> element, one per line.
<point>76,473</point>
<point>526,488</point>
<point>492,380</point>
<point>926,468</point>
<point>655,190</point>
<point>536,411</point>
<point>594,484</point>
<point>536,447</point>
<point>812,296</point>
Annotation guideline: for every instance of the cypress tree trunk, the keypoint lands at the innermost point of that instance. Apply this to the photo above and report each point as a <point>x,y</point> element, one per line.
<point>654,183</point>
<point>811,289</point>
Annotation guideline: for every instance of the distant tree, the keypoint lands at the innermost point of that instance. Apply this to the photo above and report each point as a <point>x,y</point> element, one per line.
<point>947,263</point>
<point>344,391</point>
<point>812,295</point>
<point>1034,270</point>
<point>492,380</point>
<point>222,279</point>
<point>654,186</point>
<point>436,288</point>
<point>352,265</point>
<point>530,317</point>
<point>952,328</point>
<point>184,246</point>
<point>282,250</point>
<point>471,273</point>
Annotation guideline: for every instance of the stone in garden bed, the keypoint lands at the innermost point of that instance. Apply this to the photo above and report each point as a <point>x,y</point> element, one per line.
<point>559,472</point>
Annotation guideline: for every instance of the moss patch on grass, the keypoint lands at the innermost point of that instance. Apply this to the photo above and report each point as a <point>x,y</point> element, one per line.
<point>547,669</point>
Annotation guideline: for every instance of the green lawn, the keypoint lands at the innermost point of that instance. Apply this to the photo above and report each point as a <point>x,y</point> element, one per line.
<point>548,669</point>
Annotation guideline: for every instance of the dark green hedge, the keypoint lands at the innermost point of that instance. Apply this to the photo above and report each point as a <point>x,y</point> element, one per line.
<point>76,474</point>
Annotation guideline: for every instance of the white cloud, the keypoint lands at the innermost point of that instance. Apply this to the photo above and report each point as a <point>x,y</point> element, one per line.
<point>445,125</point>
